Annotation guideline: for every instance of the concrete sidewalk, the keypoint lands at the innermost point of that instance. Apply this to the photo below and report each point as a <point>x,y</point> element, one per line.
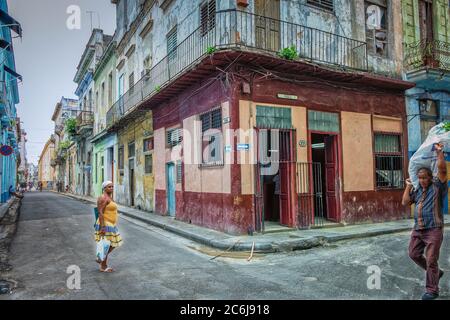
<point>269,242</point>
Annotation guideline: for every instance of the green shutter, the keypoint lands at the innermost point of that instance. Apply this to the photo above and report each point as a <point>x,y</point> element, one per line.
<point>273,118</point>
<point>410,14</point>
<point>442,23</point>
<point>323,121</point>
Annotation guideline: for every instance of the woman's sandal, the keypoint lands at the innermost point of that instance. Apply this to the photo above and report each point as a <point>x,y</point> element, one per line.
<point>107,270</point>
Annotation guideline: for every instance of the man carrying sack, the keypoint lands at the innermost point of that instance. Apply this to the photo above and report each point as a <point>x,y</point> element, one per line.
<point>428,232</point>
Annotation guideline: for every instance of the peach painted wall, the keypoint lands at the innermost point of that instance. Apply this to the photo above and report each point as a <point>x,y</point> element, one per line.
<point>206,179</point>
<point>357,151</point>
<point>387,124</point>
<point>247,120</point>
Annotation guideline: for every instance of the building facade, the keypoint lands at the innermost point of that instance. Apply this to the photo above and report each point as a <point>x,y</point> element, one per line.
<point>9,97</point>
<point>104,144</point>
<point>427,63</point>
<point>263,113</point>
<point>46,165</point>
<point>65,109</point>
<point>95,49</point>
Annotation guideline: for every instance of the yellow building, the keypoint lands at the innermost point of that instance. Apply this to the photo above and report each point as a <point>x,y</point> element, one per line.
<point>46,170</point>
<point>135,178</point>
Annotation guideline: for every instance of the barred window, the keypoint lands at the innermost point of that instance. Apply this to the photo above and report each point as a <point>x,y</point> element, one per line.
<point>322,4</point>
<point>179,172</point>
<point>173,137</point>
<point>212,143</point>
<point>208,16</point>
<point>149,164</point>
<point>388,161</point>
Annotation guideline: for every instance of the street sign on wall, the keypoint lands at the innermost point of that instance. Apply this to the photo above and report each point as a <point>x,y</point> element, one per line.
<point>6,150</point>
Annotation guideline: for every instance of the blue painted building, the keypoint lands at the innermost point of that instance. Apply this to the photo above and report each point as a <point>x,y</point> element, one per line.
<point>9,97</point>
<point>426,31</point>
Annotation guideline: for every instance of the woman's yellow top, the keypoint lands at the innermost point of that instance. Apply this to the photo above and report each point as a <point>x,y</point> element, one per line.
<point>110,212</point>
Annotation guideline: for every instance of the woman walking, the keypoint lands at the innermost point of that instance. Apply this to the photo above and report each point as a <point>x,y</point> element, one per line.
<point>106,224</point>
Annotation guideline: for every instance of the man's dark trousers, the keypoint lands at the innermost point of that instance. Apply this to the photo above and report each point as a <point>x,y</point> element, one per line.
<point>428,240</point>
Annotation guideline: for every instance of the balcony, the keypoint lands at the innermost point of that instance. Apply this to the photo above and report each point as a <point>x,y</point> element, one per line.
<point>85,122</point>
<point>245,32</point>
<point>427,63</point>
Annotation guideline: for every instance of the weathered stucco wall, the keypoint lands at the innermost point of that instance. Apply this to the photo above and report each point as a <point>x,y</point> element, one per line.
<point>135,132</point>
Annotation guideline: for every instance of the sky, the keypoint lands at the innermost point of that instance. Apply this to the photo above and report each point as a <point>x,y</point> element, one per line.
<point>47,57</point>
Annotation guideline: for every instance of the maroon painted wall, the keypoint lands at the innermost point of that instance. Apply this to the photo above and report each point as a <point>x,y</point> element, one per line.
<point>234,213</point>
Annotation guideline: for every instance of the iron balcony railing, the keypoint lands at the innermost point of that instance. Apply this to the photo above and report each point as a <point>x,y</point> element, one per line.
<point>234,29</point>
<point>434,54</point>
<point>85,119</point>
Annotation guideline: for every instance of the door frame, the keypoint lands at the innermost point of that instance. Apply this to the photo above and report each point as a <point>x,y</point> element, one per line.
<point>259,196</point>
<point>132,180</point>
<point>172,165</point>
<point>339,190</point>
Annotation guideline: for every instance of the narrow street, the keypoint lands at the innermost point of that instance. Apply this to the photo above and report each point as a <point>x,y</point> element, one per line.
<point>55,232</point>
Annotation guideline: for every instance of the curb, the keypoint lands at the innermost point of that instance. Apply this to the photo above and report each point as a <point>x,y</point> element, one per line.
<point>261,246</point>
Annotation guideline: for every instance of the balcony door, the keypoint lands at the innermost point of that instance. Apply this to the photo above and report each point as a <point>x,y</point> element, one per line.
<point>426,20</point>
<point>267,24</point>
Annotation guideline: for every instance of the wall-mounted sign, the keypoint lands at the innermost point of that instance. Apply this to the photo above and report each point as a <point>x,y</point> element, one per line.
<point>226,120</point>
<point>243,147</point>
<point>287,96</point>
<point>302,143</point>
<point>6,150</point>
<point>227,149</point>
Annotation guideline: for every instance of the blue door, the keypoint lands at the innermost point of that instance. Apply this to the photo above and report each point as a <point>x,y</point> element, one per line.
<point>171,189</point>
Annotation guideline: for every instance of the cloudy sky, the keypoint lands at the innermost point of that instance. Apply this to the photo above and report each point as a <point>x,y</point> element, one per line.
<point>47,57</point>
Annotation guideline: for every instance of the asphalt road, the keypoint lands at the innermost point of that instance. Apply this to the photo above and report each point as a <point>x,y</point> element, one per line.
<point>56,232</point>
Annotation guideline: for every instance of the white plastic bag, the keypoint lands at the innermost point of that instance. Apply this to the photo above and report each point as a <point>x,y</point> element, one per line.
<point>426,156</point>
<point>102,249</point>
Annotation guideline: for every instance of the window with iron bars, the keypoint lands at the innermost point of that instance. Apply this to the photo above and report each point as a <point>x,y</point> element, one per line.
<point>207,16</point>
<point>327,5</point>
<point>388,161</point>
<point>212,143</point>
<point>173,137</point>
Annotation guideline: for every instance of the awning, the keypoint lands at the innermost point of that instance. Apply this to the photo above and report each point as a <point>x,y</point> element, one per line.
<point>10,22</point>
<point>12,72</point>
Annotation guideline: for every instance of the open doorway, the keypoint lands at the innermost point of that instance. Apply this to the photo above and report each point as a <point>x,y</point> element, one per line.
<point>276,168</point>
<point>324,154</point>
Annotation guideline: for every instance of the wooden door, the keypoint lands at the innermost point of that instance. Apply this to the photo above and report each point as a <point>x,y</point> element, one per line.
<point>132,181</point>
<point>331,177</point>
<point>267,24</point>
<point>171,189</point>
<point>286,181</point>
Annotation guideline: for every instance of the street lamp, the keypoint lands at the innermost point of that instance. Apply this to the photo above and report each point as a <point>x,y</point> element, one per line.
<point>425,102</point>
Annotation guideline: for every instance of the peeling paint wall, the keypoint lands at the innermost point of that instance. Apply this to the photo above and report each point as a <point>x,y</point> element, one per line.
<point>140,129</point>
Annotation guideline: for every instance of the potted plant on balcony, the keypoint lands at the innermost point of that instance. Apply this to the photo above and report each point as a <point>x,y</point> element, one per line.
<point>71,127</point>
<point>289,53</point>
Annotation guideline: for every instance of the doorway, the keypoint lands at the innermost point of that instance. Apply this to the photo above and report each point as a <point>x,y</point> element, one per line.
<point>170,169</point>
<point>276,178</point>
<point>110,165</point>
<point>426,20</point>
<point>324,153</point>
<point>267,24</point>
<point>132,181</point>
